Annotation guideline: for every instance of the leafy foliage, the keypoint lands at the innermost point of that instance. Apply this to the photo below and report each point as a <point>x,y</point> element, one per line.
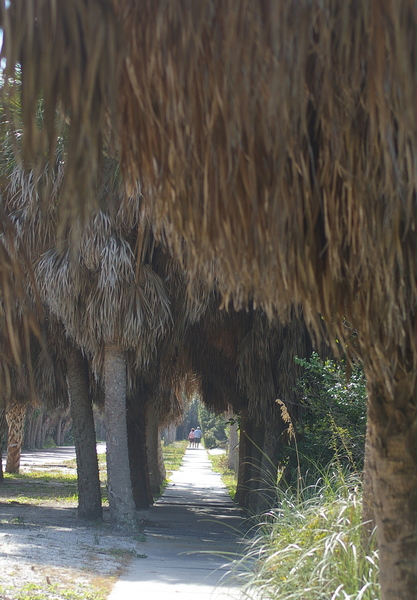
<point>191,419</point>
<point>333,419</point>
<point>213,427</point>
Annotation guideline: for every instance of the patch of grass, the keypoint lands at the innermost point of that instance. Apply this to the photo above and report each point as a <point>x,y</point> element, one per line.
<point>312,547</point>
<point>122,553</point>
<point>229,477</point>
<point>36,591</point>
<point>173,455</point>
<point>13,521</point>
<point>101,458</point>
<point>39,486</point>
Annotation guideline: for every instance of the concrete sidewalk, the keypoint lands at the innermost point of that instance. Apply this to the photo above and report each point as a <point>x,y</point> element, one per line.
<point>192,532</point>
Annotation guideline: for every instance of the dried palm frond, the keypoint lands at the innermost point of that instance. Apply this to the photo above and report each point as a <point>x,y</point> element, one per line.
<point>277,138</point>
<point>77,51</point>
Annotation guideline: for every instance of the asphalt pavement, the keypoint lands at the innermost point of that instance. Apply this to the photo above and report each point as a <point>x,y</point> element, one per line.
<point>194,540</point>
<point>50,458</point>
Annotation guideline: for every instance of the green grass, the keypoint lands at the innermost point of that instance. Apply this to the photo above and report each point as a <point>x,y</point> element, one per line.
<point>173,455</point>
<point>33,591</point>
<point>53,591</point>
<point>39,486</point>
<point>313,548</point>
<point>229,478</point>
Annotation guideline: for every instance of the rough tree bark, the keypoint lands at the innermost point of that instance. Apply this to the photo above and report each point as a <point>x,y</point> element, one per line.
<point>233,453</point>
<point>368,502</point>
<point>88,481</point>
<point>139,471</point>
<point>245,469</point>
<point>157,471</point>
<point>58,432</point>
<point>273,434</point>
<point>169,434</point>
<point>15,417</point>
<point>3,428</point>
<point>122,506</point>
<point>393,464</point>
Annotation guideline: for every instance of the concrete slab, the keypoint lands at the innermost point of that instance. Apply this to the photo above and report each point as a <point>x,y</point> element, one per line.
<point>193,540</point>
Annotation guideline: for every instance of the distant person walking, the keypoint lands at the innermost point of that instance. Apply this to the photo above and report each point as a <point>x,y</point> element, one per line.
<point>197,436</point>
<point>191,437</point>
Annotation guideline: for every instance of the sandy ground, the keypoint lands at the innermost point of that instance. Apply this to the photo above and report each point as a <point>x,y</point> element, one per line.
<point>47,547</point>
<point>47,552</point>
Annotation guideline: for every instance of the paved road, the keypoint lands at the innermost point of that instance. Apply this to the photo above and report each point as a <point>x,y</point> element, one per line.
<point>193,533</point>
<point>50,458</point>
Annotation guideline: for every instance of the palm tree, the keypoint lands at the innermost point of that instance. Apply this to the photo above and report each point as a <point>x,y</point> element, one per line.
<point>246,361</point>
<point>56,363</point>
<point>89,493</point>
<point>2,440</point>
<point>15,417</point>
<point>110,299</point>
<point>279,140</point>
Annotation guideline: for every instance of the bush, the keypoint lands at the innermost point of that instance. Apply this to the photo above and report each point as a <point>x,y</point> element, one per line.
<point>213,427</point>
<point>210,440</point>
<point>332,421</point>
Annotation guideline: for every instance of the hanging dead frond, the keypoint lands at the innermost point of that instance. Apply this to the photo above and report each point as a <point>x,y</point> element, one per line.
<point>278,139</point>
<point>67,57</point>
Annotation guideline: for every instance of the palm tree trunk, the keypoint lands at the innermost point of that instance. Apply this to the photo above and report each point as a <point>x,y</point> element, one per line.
<point>368,501</point>
<point>256,498</point>
<point>157,471</point>
<point>38,431</point>
<point>139,471</point>
<point>273,432</point>
<point>244,472</point>
<point>122,506</point>
<point>2,440</point>
<point>393,463</point>
<point>89,494</point>
<point>58,433</point>
<point>233,453</point>
<point>170,433</point>
<point>15,417</point>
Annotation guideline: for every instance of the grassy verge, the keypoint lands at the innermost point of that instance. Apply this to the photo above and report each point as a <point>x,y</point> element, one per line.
<point>229,478</point>
<point>39,487</point>
<point>313,547</point>
<point>55,485</point>
<point>173,455</point>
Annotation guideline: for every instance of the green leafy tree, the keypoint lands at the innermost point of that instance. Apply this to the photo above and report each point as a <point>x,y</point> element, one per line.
<point>191,419</point>
<point>213,427</point>
<point>333,418</point>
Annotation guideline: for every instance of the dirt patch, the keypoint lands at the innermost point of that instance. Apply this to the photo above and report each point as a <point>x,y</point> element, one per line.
<point>47,552</point>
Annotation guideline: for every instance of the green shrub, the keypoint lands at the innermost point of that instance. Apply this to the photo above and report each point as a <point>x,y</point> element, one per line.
<point>332,420</point>
<point>213,427</point>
